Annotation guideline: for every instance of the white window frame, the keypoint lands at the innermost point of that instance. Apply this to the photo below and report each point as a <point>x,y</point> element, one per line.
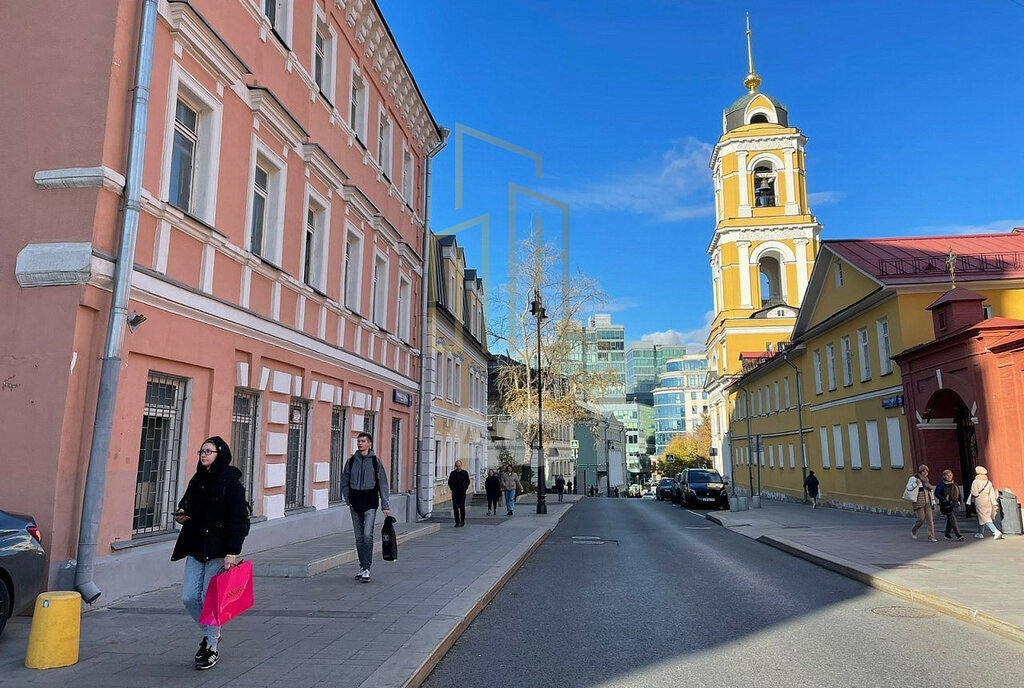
<point>792,457</point>
<point>884,346</point>
<point>874,448</point>
<point>778,406</point>
<point>853,433</point>
<point>439,375</point>
<point>823,438</point>
<point>816,356</point>
<point>771,456</point>
<point>838,273</point>
<point>352,262</point>
<point>864,351</point>
<point>830,365</point>
<point>206,165</point>
<point>404,310</point>
<point>458,382</point>
<point>837,446</point>
<point>283,23</point>
<point>358,104</point>
<point>895,437</point>
<point>847,355</point>
<point>317,279</point>
<point>328,78</point>
<point>273,226</point>
<point>448,371</point>
<point>786,391</point>
<point>380,291</point>
<point>385,136</point>
<point>408,174</point>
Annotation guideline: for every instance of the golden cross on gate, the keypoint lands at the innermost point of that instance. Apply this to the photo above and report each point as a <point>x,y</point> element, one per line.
<point>951,266</point>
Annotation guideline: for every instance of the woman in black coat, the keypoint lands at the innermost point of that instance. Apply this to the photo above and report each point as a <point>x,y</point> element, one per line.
<point>492,485</point>
<point>215,520</point>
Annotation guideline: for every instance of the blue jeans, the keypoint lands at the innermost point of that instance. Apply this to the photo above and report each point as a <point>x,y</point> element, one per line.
<point>510,500</point>
<point>193,591</point>
<point>362,526</point>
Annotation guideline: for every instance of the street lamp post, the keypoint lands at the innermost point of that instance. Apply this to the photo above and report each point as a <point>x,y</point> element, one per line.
<point>537,311</point>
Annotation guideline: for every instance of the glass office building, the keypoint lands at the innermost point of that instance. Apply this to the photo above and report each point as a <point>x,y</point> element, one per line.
<point>644,362</point>
<point>604,349</point>
<point>679,398</point>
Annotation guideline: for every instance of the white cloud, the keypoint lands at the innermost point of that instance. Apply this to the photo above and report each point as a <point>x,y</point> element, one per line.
<point>668,187</point>
<point>825,197</point>
<point>994,227</point>
<point>693,340</point>
<point>623,303</point>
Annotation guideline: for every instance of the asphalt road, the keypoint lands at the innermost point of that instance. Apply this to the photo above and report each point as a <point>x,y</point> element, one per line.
<point>670,599</point>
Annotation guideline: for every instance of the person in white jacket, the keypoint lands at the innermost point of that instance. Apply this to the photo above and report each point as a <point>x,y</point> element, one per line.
<point>924,504</point>
<point>986,502</point>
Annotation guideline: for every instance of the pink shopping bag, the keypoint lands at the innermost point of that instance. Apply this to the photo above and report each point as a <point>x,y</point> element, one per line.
<point>229,594</point>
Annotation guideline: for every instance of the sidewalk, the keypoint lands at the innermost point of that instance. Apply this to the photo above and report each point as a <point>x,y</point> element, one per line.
<point>309,630</point>
<point>977,581</point>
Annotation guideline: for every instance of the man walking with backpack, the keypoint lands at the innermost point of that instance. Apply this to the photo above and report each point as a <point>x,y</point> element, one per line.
<point>364,485</point>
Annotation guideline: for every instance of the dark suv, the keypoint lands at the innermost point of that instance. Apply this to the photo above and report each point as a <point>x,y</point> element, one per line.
<point>703,487</point>
<point>664,489</point>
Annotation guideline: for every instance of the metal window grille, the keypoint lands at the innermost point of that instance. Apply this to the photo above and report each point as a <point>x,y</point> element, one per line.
<point>243,438</point>
<point>156,485</point>
<point>295,468</point>
<point>369,423</point>
<point>396,453</point>
<point>337,451</point>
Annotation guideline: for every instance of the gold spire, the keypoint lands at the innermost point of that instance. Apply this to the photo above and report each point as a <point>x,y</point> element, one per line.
<point>753,80</point>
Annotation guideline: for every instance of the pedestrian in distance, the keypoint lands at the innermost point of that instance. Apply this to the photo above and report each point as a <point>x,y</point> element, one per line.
<point>947,494</point>
<point>509,484</point>
<point>492,486</point>
<point>560,487</point>
<point>458,483</point>
<point>364,486</point>
<point>924,504</point>
<point>811,485</point>
<point>214,518</point>
<point>986,502</point>
<point>616,493</point>
<point>568,487</point>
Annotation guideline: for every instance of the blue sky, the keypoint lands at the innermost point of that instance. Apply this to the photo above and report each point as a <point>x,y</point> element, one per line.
<point>913,111</point>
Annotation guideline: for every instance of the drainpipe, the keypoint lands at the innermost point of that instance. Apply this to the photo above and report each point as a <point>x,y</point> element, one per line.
<point>424,423</point>
<point>799,420</point>
<point>110,372</point>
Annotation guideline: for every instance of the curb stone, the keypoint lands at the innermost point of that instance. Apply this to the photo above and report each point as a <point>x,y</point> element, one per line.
<point>858,573</point>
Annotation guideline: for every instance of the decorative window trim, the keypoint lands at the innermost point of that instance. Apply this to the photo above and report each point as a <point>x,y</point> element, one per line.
<point>273,230</point>
<point>318,279</point>
<point>328,89</point>
<point>183,84</point>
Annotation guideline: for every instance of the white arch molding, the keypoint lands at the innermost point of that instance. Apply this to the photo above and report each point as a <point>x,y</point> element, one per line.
<point>766,110</point>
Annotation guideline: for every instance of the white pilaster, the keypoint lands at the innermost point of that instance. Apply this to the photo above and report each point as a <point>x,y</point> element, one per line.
<point>791,206</point>
<point>801,268</point>
<point>744,268</point>
<point>741,164</point>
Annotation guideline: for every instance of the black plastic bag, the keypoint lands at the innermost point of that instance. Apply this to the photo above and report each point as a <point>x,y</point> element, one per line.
<point>389,539</point>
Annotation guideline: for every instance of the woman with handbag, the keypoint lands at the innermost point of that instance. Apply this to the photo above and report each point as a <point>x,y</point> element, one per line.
<point>986,501</point>
<point>215,520</point>
<point>921,489</point>
<point>947,493</point>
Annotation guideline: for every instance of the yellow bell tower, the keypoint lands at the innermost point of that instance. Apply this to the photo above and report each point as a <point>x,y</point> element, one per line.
<point>764,243</point>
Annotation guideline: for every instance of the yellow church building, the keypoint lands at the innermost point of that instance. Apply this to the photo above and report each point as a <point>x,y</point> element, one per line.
<point>802,347</point>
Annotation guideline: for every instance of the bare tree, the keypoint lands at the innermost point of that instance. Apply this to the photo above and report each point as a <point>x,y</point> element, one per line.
<point>537,275</point>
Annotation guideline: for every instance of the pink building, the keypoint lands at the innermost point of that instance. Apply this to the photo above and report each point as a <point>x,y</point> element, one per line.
<point>278,267</point>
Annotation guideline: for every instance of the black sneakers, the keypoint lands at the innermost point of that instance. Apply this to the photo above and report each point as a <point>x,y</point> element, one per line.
<point>202,650</point>
<point>207,659</point>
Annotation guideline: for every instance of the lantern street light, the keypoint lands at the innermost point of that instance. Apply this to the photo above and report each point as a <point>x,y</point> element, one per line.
<point>537,311</point>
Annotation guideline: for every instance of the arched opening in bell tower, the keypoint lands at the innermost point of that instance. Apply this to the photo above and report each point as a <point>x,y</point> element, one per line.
<point>764,186</point>
<point>770,280</point>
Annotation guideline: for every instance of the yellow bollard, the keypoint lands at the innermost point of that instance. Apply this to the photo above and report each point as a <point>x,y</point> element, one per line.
<point>56,627</point>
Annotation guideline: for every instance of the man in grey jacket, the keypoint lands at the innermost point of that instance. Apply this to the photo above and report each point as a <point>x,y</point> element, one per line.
<point>364,485</point>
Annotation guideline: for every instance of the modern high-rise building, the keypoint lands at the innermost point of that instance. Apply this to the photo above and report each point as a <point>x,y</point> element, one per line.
<point>604,350</point>
<point>679,399</point>
<point>644,362</point>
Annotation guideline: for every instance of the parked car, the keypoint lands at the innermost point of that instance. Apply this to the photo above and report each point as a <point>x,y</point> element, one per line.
<point>648,495</point>
<point>664,489</point>
<point>703,487</point>
<point>633,490</point>
<point>22,564</point>
<point>677,488</point>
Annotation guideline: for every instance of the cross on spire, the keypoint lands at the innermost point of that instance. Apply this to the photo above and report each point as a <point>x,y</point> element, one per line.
<point>753,80</point>
<point>951,266</point>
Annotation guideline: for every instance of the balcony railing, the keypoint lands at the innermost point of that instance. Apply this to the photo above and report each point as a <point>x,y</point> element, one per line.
<point>966,264</point>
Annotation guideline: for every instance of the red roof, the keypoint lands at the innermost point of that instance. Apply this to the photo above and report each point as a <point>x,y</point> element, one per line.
<point>910,260</point>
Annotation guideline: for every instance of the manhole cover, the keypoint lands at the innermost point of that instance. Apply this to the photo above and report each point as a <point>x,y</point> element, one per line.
<point>904,612</point>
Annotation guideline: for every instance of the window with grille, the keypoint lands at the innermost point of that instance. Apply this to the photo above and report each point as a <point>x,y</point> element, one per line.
<point>337,451</point>
<point>244,431</point>
<point>370,423</point>
<point>295,463</point>
<point>156,485</point>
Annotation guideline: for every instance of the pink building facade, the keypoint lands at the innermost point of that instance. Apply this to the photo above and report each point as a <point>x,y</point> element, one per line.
<point>279,264</point>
